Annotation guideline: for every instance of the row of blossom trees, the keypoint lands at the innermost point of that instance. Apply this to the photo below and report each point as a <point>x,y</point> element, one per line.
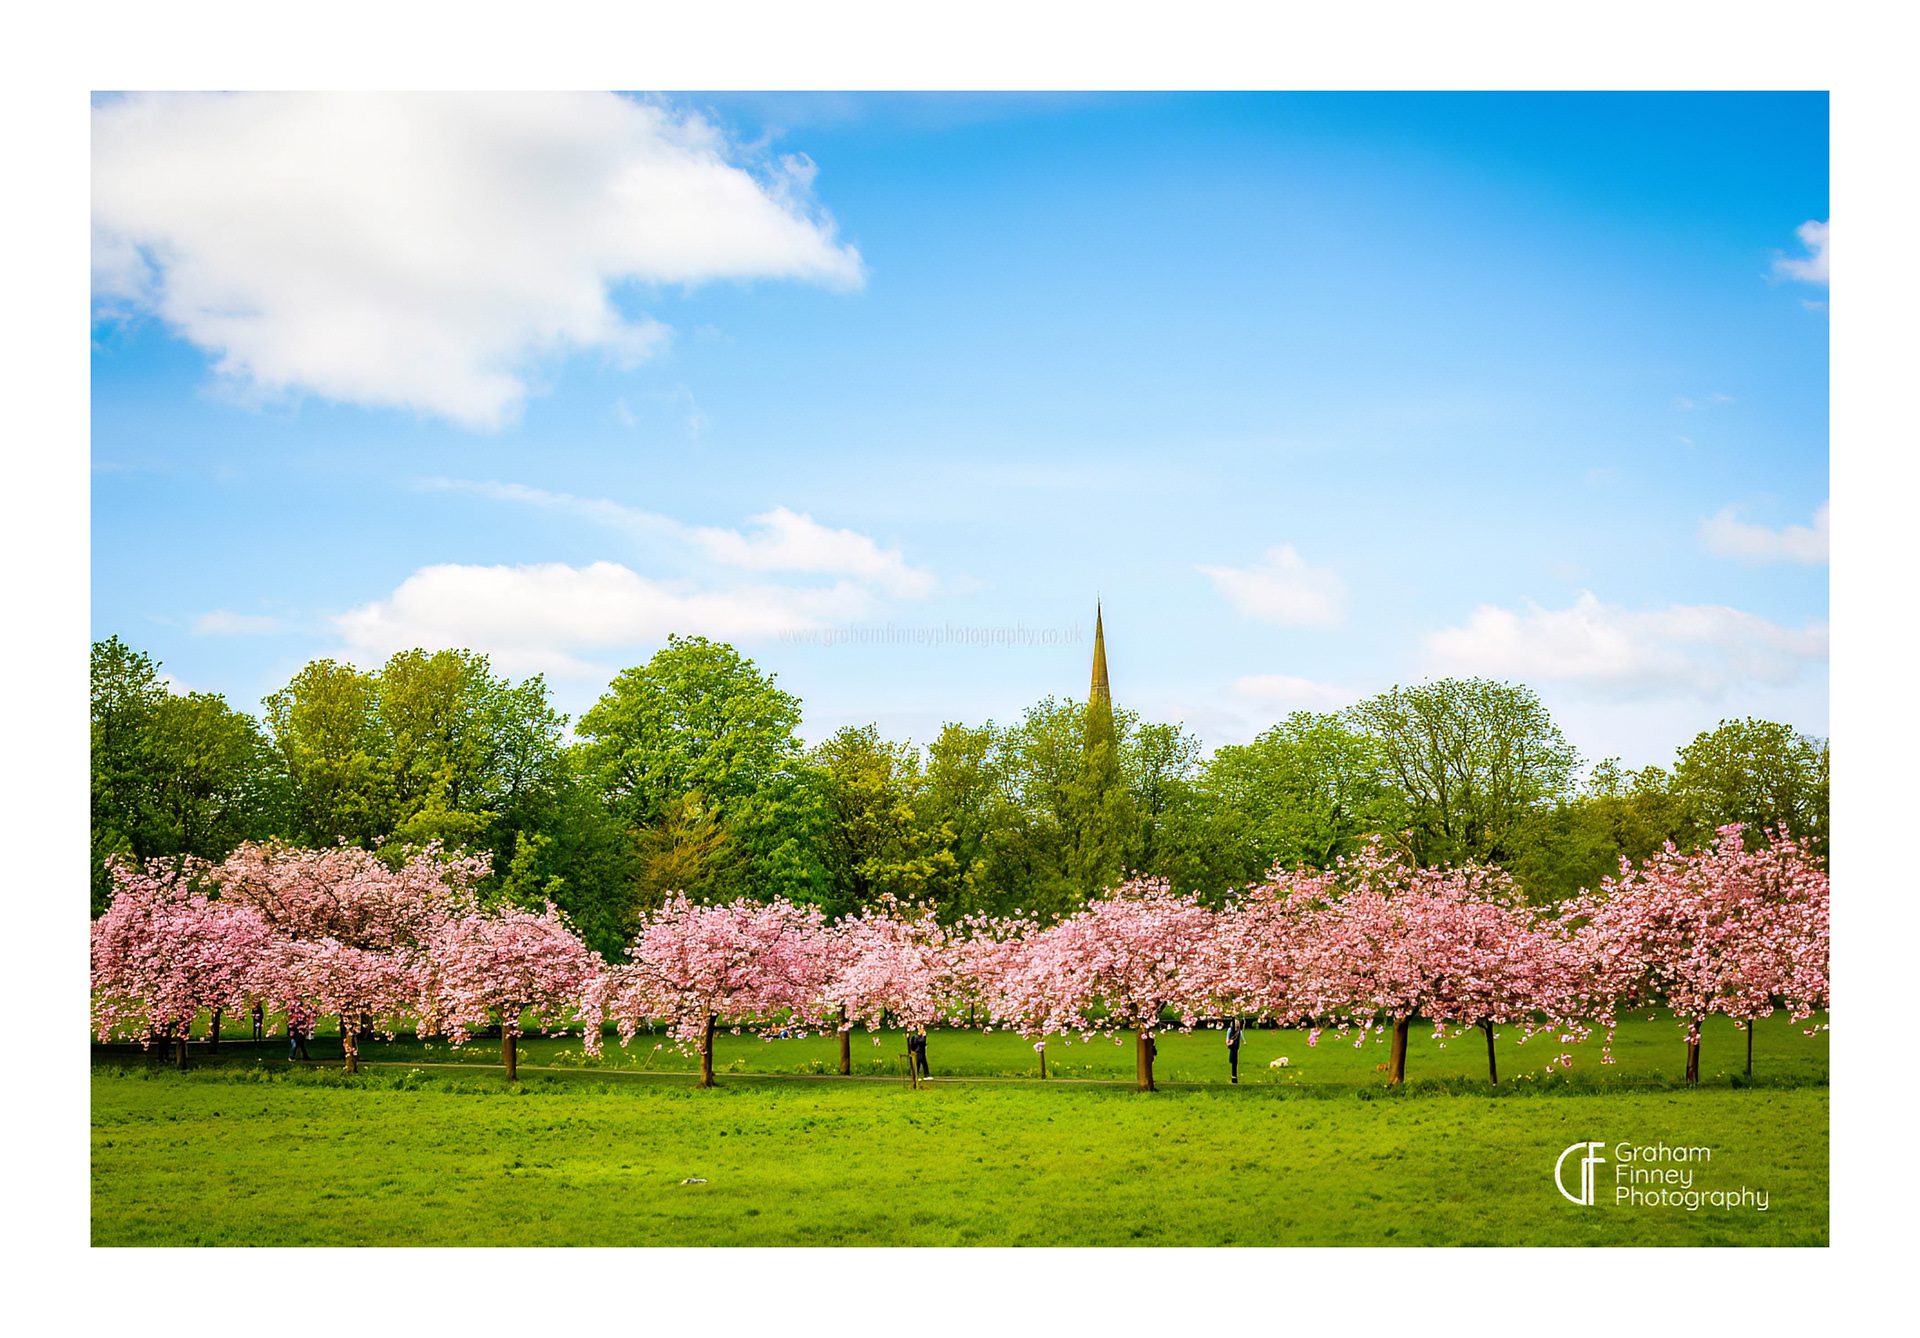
<point>1362,949</point>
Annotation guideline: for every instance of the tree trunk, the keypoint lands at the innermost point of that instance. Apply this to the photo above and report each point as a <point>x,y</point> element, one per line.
<point>348,1048</point>
<point>180,1048</point>
<point>1493,1069</point>
<point>1693,1053</point>
<point>1143,1057</point>
<point>846,1043</point>
<point>510,1051</point>
<point>1397,1061</point>
<point>213,1036</point>
<point>706,1052</point>
<point>1750,1022</point>
<point>1043,1062</point>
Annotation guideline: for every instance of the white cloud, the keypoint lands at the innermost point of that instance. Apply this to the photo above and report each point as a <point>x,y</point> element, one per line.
<point>788,541</point>
<point>222,623</point>
<point>1284,590</point>
<point>1813,267</point>
<point>1285,690</point>
<point>781,540</point>
<point>1698,649</point>
<point>1725,535</point>
<point>427,251</point>
<point>541,618</point>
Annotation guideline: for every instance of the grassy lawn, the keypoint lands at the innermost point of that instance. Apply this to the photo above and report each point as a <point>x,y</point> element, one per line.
<point>1646,1053</point>
<point>247,1151</point>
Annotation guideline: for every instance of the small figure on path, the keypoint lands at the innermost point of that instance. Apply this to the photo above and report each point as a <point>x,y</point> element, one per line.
<point>1233,1047</point>
<point>259,1021</point>
<point>297,1024</point>
<point>917,1050</point>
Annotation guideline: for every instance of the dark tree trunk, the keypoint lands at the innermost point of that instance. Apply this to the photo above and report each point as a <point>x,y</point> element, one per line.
<point>846,1043</point>
<point>1397,1061</point>
<point>1043,1061</point>
<point>706,1052</point>
<point>1493,1069</point>
<point>1750,1022</point>
<point>213,1034</point>
<point>510,1051</point>
<point>1693,1053</point>
<point>1144,1049</point>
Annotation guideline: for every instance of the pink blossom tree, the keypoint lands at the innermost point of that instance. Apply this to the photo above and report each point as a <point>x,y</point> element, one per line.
<point>377,918</point>
<point>483,969</point>
<point>1122,962</point>
<point>881,963</point>
<point>1724,929</point>
<point>349,894</point>
<point>1379,940</point>
<point>163,952</point>
<point>366,989</point>
<point>695,966</point>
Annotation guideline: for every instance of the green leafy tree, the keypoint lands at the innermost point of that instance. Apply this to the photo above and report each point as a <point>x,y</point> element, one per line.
<point>879,844</point>
<point>326,741</point>
<point>1061,823</point>
<point>1472,759</point>
<point>1759,773</point>
<point>960,803</point>
<point>700,717</point>
<point>1569,846</point>
<point>1304,794</point>
<point>1159,764</point>
<point>432,746</point>
<point>172,774</point>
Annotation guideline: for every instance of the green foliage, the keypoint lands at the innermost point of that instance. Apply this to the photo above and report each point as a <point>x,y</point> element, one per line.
<point>172,774</point>
<point>1758,773</point>
<point>429,747</point>
<point>698,718</point>
<point>879,844</point>
<point>1303,794</point>
<point>1570,845</point>
<point>689,775</point>
<point>1472,759</point>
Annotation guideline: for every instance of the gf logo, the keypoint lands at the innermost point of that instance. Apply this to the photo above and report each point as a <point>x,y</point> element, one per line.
<point>1587,1163</point>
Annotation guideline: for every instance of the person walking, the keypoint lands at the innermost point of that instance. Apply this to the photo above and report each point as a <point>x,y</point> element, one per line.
<point>259,1021</point>
<point>297,1024</point>
<point>1233,1047</point>
<point>917,1051</point>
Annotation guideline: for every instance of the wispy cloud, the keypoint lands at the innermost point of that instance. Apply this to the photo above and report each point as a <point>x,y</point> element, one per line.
<point>1288,692</point>
<point>1726,535</point>
<point>430,251</point>
<point>780,540</point>
<point>222,623</point>
<point>547,617</point>
<point>1683,649</point>
<point>1284,589</point>
<point>1812,267</point>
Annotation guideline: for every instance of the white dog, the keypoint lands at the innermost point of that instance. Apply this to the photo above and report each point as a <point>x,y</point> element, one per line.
<point>1279,1063</point>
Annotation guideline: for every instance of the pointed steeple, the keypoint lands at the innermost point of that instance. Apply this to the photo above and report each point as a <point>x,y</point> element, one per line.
<point>1100,696</point>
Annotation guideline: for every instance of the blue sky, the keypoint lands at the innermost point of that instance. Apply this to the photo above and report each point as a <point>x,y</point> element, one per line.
<point>1319,393</point>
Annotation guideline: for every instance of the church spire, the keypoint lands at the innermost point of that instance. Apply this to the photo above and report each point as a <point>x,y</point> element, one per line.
<point>1100,694</point>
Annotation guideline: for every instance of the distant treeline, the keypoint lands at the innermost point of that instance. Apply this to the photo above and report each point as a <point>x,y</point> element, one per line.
<point>689,775</point>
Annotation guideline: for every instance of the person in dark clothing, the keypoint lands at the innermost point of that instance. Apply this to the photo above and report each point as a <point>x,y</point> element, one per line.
<point>259,1021</point>
<point>917,1051</point>
<point>1233,1047</point>
<point>297,1025</point>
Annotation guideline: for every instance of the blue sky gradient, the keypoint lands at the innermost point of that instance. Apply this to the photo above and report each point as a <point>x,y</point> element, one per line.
<point>1460,352</point>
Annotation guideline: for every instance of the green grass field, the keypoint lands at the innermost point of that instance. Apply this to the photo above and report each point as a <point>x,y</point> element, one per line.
<point>430,1147</point>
